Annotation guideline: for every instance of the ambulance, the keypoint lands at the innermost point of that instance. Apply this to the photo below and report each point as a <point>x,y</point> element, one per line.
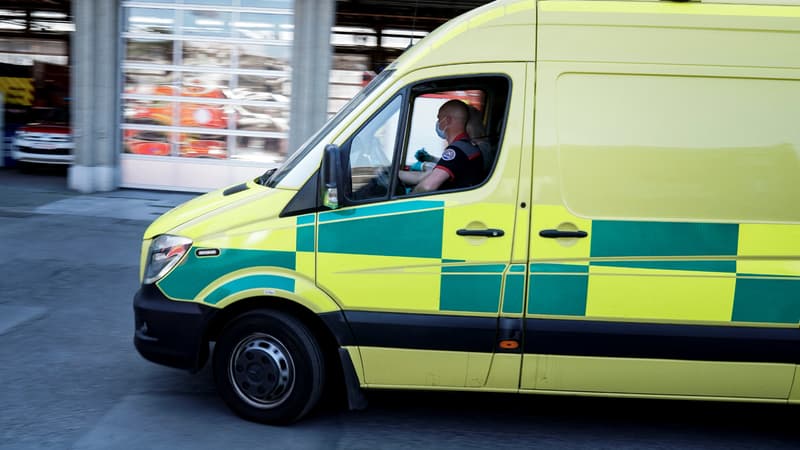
<point>637,233</point>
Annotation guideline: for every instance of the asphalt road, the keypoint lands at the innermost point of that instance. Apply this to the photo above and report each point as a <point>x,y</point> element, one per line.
<point>70,377</point>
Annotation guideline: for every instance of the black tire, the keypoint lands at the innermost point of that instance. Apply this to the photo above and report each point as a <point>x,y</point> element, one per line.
<point>268,367</point>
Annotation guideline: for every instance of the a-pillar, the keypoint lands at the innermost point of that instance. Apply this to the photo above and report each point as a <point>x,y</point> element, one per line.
<point>95,95</point>
<point>311,66</point>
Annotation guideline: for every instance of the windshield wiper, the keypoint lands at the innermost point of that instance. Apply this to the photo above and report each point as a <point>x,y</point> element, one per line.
<point>262,180</point>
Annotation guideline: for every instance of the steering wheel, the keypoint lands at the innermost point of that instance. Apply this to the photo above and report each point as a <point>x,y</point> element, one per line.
<point>383,178</point>
<point>369,153</point>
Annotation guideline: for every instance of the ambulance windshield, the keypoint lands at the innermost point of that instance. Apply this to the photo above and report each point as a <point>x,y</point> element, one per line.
<point>272,177</point>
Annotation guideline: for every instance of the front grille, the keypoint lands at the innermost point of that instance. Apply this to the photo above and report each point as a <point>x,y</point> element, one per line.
<point>46,151</point>
<point>48,138</point>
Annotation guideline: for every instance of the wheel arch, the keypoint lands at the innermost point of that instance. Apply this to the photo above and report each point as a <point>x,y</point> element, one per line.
<point>327,339</point>
<point>309,318</point>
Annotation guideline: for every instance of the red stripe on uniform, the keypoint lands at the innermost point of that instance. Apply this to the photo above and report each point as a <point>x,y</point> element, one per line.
<point>452,176</point>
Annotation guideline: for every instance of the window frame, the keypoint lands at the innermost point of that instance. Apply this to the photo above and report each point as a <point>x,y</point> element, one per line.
<point>400,138</point>
<point>498,89</point>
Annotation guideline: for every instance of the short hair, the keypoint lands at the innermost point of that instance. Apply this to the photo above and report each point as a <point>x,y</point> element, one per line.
<point>456,109</point>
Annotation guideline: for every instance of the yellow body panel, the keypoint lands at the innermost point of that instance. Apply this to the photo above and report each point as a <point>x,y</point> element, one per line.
<point>521,245</point>
<point>476,248</point>
<point>145,251</point>
<point>355,356</point>
<point>306,265</point>
<point>698,34</point>
<point>655,377</point>
<point>671,295</point>
<point>198,208</point>
<point>252,223</point>
<point>474,37</point>
<point>409,367</point>
<point>504,373</point>
<point>557,217</point>
<point>794,395</point>
<point>769,249</point>
<point>365,282</point>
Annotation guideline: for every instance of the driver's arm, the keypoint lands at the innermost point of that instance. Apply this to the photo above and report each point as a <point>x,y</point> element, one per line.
<point>432,180</point>
<point>411,178</point>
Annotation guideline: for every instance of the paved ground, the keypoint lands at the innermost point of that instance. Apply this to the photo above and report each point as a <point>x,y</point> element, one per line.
<point>45,192</point>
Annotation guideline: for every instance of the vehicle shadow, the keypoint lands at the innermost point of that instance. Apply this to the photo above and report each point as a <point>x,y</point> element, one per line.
<point>440,419</point>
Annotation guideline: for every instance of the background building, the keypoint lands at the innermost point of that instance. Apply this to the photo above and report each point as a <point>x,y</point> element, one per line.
<point>198,94</point>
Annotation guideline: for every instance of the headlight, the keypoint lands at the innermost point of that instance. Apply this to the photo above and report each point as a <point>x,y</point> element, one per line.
<point>165,252</point>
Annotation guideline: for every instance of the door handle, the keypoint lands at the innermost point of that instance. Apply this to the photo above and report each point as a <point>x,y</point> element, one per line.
<point>490,232</point>
<point>553,234</point>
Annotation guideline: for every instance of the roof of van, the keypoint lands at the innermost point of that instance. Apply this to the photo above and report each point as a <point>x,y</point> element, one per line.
<point>482,35</point>
<point>499,31</point>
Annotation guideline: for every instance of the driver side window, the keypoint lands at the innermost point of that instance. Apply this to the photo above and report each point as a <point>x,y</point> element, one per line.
<point>371,151</point>
<point>414,130</point>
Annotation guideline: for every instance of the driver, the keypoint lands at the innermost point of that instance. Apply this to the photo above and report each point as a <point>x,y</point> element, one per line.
<point>461,164</point>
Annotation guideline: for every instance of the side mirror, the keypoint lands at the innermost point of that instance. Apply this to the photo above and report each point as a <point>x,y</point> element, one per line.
<point>331,171</point>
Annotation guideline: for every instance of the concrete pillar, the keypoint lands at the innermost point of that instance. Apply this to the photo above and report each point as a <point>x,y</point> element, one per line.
<point>94,57</point>
<point>311,65</point>
<point>3,149</point>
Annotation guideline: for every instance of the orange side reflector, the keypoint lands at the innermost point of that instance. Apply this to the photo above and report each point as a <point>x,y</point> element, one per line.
<point>509,344</point>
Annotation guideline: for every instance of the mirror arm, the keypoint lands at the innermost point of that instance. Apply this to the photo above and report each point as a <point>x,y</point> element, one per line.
<point>331,171</point>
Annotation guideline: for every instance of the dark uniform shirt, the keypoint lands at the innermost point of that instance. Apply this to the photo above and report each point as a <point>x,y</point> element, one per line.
<point>463,162</point>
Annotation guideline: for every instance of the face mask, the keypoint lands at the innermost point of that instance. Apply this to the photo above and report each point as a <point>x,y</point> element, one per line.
<point>439,131</point>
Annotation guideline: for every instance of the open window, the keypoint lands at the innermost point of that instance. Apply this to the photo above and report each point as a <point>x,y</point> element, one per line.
<point>486,98</point>
<point>393,139</point>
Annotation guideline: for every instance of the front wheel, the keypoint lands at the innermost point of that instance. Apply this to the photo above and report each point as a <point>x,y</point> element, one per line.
<point>268,367</point>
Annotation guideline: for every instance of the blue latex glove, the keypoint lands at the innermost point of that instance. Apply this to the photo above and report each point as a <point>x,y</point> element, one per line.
<point>423,155</point>
<point>417,167</point>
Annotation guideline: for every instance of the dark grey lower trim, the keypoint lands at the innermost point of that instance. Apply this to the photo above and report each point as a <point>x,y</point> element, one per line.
<point>568,337</point>
<point>421,331</point>
<point>662,341</point>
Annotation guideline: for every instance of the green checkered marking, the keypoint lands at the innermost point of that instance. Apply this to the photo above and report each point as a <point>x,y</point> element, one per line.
<point>191,276</point>
<point>775,300</point>
<point>513,293</point>
<point>472,292</point>
<point>558,268</point>
<point>474,268</point>
<point>652,239</point>
<point>558,294</point>
<point>305,233</point>
<point>411,229</point>
<point>250,282</point>
<point>696,266</point>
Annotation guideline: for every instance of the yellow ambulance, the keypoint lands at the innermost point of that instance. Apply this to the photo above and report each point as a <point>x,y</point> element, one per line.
<point>636,232</point>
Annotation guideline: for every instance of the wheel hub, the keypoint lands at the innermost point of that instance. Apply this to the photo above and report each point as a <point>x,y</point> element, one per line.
<point>262,371</point>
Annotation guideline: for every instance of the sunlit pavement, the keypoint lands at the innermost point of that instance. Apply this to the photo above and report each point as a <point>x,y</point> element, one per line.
<point>45,191</point>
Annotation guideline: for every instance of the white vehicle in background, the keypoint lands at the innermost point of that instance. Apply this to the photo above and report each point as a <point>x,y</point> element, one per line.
<point>47,140</point>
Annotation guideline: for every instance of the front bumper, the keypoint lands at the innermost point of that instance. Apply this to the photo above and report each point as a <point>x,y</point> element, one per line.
<point>170,332</point>
<point>57,156</point>
<point>48,152</point>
